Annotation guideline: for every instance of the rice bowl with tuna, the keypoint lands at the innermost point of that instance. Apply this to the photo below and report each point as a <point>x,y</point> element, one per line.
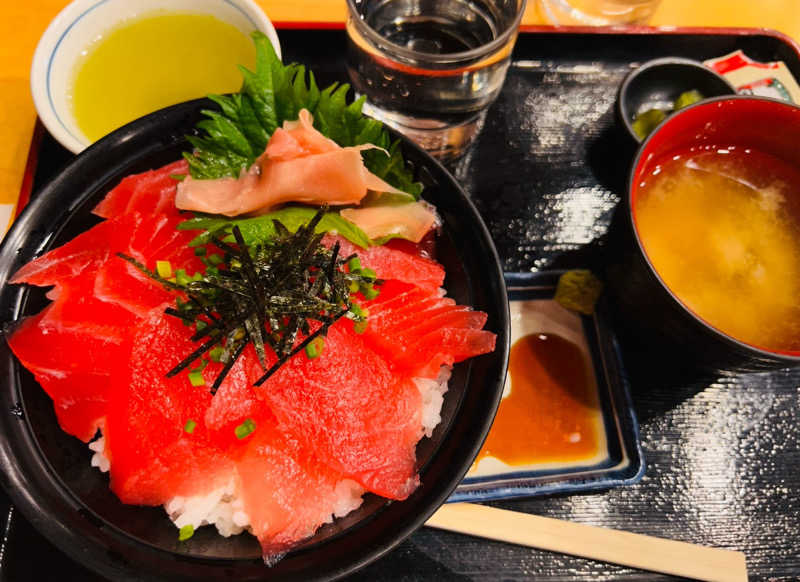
<point>241,424</point>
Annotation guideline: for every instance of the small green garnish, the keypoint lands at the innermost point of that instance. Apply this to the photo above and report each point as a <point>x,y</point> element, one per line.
<point>578,290</point>
<point>687,98</point>
<point>215,260</point>
<point>216,353</point>
<point>189,426</point>
<point>314,348</point>
<point>354,264</point>
<point>185,533</point>
<point>245,429</point>
<point>164,269</point>
<point>196,378</point>
<point>369,292</point>
<point>647,121</point>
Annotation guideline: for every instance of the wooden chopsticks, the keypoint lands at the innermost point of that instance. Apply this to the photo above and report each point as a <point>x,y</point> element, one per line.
<point>597,543</point>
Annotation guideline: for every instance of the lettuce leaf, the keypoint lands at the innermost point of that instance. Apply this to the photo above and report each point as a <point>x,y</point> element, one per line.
<point>232,138</point>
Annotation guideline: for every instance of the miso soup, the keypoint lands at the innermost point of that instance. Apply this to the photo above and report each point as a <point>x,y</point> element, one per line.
<point>721,229</point>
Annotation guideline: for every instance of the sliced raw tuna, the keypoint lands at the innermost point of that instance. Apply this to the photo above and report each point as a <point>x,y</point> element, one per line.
<point>76,306</point>
<point>83,253</point>
<point>73,366</point>
<point>149,192</point>
<point>420,331</point>
<point>287,493</point>
<point>153,458</point>
<point>392,263</point>
<point>351,409</point>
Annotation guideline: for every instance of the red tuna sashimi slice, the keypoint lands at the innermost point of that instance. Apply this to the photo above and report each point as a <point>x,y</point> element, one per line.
<point>287,493</point>
<point>235,399</point>
<point>83,253</point>
<point>76,306</point>
<point>420,332</point>
<point>391,263</point>
<point>348,406</point>
<point>153,238</point>
<point>41,342</point>
<point>73,366</point>
<point>122,284</point>
<point>80,399</point>
<point>149,192</point>
<point>153,458</point>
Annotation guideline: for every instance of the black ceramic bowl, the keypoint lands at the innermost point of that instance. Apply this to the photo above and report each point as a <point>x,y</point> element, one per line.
<point>47,473</point>
<point>657,84</point>
<point>644,300</point>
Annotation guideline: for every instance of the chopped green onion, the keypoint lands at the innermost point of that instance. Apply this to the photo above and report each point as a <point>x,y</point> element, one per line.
<point>369,291</point>
<point>354,264</point>
<point>189,426</point>
<point>360,326</point>
<point>181,278</point>
<point>358,311</point>
<point>354,287</point>
<point>164,269</point>
<point>185,533</point>
<point>201,324</point>
<point>245,429</point>
<point>315,347</point>
<point>199,251</point>
<point>215,259</point>
<point>369,274</point>
<point>216,354</point>
<point>196,378</point>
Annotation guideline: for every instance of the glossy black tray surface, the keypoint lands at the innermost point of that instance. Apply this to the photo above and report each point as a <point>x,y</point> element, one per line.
<point>547,174</point>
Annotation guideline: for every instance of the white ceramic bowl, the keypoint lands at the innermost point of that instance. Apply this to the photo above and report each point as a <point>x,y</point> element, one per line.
<point>83,21</point>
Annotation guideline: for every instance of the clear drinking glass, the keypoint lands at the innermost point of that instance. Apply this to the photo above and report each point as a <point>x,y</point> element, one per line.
<point>598,12</point>
<point>431,68</point>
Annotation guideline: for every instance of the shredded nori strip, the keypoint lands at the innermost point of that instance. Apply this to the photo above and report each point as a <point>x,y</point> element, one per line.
<point>265,294</point>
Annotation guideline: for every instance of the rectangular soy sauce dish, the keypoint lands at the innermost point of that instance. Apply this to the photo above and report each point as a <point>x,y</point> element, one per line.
<point>617,458</point>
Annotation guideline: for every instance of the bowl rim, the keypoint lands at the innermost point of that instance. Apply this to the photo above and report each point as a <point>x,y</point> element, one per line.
<point>624,114</point>
<point>788,358</point>
<point>18,482</point>
<point>59,27</point>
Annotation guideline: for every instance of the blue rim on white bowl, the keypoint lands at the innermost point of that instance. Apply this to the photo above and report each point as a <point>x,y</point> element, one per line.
<point>83,21</point>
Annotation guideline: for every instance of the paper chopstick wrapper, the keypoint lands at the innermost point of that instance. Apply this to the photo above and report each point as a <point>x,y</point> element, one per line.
<point>751,77</point>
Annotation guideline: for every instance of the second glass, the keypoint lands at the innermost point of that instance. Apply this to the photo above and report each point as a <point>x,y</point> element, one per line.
<point>431,68</point>
<point>598,12</point>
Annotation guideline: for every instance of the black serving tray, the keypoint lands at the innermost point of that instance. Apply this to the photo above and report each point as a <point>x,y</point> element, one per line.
<point>547,173</point>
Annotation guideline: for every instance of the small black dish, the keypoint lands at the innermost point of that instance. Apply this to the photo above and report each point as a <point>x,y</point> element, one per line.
<point>47,472</point>
<point>658,83</point>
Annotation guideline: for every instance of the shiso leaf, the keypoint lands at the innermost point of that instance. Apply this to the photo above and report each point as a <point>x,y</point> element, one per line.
<point>231,139</point>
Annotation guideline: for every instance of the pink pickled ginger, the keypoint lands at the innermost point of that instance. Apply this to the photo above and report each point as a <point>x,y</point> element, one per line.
<point>299,165</point>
